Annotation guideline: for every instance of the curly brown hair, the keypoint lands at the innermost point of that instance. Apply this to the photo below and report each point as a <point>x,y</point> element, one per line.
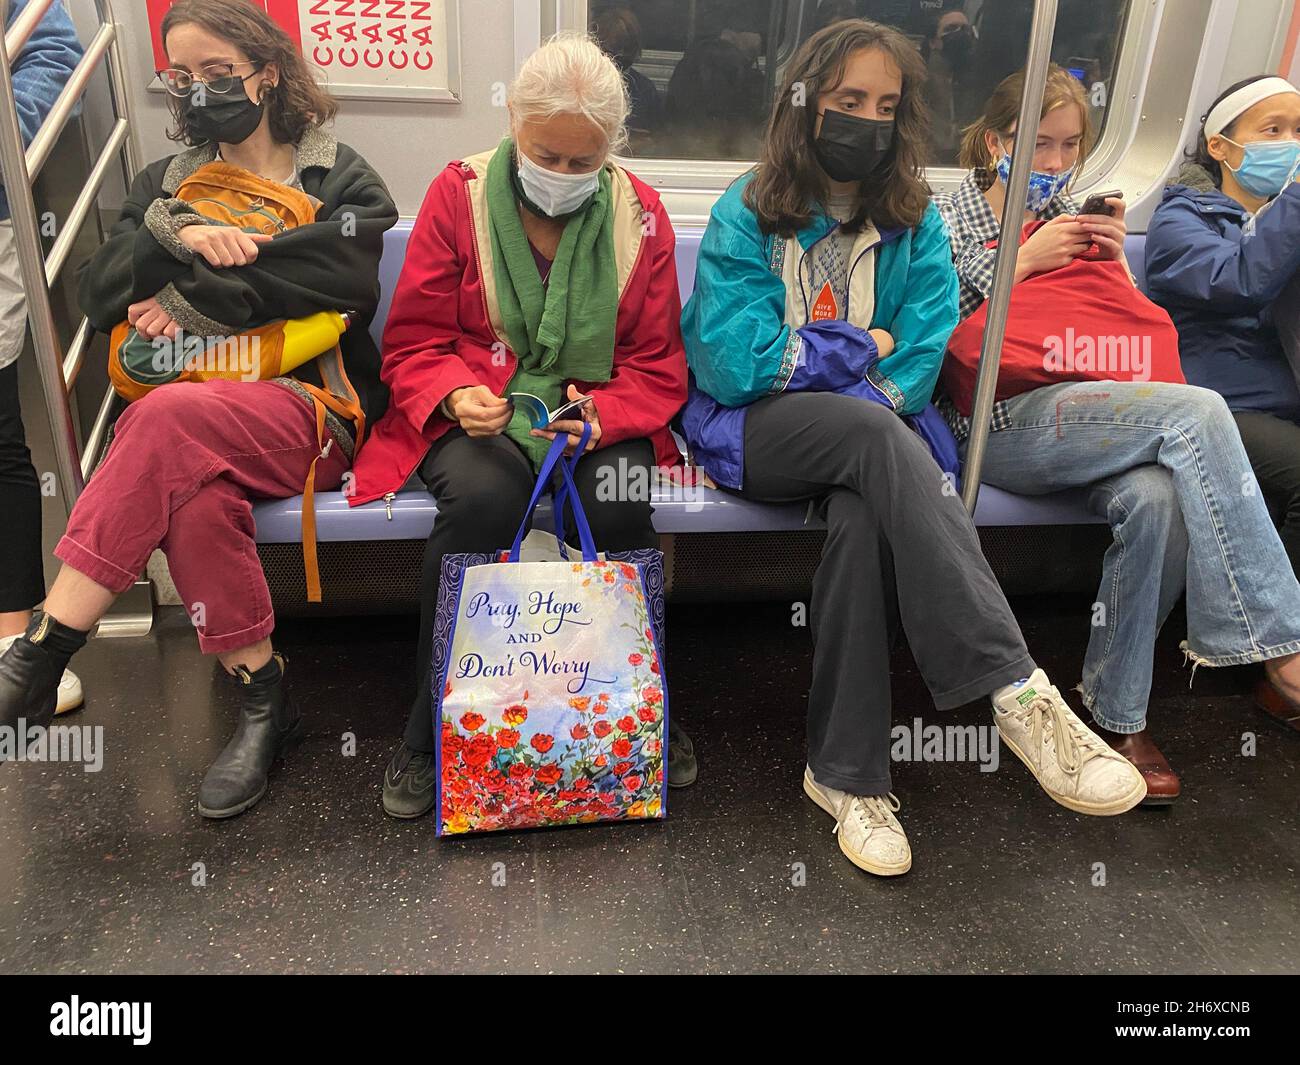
<point>296,103</point>
<point>789,181</point>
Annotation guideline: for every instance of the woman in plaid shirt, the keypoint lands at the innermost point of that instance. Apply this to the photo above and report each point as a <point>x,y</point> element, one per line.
<point>1163,463</point>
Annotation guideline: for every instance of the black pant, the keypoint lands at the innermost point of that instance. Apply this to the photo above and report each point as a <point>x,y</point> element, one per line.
<point>22,577</point>
<point>1273,446</point>
<point>899,548</point>
<point>482,485</point>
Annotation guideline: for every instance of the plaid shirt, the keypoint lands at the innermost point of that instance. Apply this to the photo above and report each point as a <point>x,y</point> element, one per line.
<point>971,224</point>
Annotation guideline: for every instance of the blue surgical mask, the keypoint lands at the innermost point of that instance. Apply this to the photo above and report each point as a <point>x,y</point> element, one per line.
<point>1042,187</point>
<point>1267,167</point>
<point>556,194</point>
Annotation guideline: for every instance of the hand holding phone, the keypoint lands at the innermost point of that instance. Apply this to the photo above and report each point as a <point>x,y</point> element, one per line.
<point>1105,224</point>
<point>1096,203</point>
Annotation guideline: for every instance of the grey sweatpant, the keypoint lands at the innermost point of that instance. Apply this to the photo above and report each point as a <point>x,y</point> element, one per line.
<point>899,548</point>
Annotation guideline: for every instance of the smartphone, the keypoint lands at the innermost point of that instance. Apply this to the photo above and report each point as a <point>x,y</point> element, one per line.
<point>1096,203</point>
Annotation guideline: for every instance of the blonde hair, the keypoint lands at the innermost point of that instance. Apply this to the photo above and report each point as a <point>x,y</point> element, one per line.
<point>1063,89</point>
<point>569,74</point>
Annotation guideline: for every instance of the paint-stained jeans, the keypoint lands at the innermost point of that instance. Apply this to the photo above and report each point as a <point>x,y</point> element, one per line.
<point>1164,464</point>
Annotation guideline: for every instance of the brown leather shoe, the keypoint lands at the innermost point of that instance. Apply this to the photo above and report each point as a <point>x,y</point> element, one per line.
<point>1277,705</point>
<point>1138,747</point>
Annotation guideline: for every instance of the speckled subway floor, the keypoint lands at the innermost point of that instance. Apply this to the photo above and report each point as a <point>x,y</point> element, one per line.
<point>99,871</point>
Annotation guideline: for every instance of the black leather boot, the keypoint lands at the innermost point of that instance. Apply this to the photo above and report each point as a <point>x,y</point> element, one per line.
<point>31,669</point>
<point>269,724</point>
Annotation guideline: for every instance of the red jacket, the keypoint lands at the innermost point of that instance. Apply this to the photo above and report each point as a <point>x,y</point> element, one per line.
<point>444,324</point>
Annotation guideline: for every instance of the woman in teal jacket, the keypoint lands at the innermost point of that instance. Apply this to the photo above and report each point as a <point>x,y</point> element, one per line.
<point>823,301</point>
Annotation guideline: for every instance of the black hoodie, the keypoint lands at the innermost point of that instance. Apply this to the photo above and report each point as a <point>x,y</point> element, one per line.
<point>331,264</point>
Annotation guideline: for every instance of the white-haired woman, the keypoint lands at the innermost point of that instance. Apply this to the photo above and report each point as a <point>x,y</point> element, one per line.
<point>538,266</point>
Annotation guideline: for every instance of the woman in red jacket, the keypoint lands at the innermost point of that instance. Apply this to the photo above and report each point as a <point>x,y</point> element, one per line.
<point>539,266</point>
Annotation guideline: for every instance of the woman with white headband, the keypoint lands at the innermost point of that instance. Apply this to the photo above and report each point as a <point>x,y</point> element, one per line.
<point>1223,257</point>
<point>1159,459</point>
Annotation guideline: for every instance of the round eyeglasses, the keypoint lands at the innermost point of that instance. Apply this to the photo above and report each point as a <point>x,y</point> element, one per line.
<point>219,79</point>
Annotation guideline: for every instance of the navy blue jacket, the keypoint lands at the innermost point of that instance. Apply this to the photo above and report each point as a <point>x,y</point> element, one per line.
<point>1218,284</point>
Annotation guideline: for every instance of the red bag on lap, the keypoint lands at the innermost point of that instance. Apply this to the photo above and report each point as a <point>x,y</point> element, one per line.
<point>1083,322</point>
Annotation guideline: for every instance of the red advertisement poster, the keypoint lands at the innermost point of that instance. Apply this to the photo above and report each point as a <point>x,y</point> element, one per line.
<point>364,48</point>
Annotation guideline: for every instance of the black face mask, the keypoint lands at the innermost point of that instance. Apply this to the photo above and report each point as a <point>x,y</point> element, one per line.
<point>229,119</point>
<point>959,45</point>
<point>850,148</point>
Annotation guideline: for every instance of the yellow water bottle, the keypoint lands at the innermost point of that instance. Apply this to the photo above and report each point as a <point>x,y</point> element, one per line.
<point>305,338</point>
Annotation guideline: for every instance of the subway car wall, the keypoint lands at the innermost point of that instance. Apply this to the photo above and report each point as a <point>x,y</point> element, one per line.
<point>1123,57</point>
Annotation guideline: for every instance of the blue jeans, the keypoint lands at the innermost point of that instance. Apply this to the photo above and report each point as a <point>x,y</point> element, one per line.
<point>1165,465</point>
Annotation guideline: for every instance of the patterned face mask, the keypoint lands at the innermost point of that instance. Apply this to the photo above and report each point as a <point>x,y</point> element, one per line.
<point>1042,187</point>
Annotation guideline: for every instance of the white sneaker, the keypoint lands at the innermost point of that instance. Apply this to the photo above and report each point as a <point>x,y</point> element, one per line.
<point>1075,766</point>
<point>869,833</point>
<point>71,695</point>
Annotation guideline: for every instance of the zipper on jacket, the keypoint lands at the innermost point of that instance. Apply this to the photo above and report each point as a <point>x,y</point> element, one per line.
<point>388,504</point>
<point>848,285</point>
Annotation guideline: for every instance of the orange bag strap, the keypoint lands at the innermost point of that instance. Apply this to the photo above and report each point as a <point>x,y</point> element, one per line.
<point>338,393</point>
<point>340,397</point>
<point>311,565</point>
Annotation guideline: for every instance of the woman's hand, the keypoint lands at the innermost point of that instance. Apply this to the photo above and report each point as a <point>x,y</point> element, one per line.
<point>884,342</point>
<point>1053,246</point>
<point>479,410</point>
<point>1107,232</point>
<point>574,427</point>
<point>150,320</point>
<point>222,245</point>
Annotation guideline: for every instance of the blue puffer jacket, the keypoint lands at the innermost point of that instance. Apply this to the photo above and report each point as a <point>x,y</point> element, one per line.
<point>41,70</point>
<point>1218,284</point>
<point>741,346</point>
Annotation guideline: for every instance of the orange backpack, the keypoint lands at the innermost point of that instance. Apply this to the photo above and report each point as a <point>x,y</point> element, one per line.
<point>232,196</point>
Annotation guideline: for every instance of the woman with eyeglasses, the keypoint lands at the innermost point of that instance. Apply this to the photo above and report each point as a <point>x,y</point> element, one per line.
<point>189,459</point>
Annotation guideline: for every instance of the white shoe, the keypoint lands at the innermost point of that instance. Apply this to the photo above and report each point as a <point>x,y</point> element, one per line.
<point>1074,765</point>
<point>869,833</point>
<point>71,695</point>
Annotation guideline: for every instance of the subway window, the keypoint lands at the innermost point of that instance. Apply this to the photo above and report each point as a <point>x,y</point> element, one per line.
<point>701,74</point>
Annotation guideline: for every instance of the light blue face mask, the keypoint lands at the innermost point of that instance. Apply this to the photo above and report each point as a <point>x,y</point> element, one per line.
<point>1042,187</point>
<point>1267,167</point>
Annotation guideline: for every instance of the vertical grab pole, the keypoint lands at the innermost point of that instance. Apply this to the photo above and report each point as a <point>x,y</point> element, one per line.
<point>1004,271</point>
<point>117,86</point>
<point>31,262</point>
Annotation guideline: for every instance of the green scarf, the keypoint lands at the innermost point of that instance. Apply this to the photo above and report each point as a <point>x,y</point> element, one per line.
<point>564,330</point>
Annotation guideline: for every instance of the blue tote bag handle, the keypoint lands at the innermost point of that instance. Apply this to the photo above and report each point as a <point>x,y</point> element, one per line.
<point>553,457</point>
<point>568,492</point>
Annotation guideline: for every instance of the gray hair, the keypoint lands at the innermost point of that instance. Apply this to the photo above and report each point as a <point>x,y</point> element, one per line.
<point>569,74</point>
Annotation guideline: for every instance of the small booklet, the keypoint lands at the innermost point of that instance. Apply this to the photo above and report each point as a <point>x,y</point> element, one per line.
<point>540,416</point>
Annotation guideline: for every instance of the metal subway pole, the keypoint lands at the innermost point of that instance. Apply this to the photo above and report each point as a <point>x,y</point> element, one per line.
<point>31,262</point>
<point>132,612</point>
<point>117,87</point>
<point>1004,271</point>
